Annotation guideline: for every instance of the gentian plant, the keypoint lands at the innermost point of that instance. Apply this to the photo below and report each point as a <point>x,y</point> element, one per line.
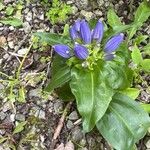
<point>91,66</point>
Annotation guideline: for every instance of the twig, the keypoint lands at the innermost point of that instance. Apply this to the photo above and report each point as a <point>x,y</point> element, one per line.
<point>60,124</point>
<point>77,122</point>
<point>21,64</point>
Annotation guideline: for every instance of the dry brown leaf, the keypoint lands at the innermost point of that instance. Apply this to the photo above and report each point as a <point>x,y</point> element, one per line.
<point>2,41</point>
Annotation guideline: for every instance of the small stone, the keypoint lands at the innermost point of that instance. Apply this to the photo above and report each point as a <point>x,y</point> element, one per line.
<point>11,44</point>
<point>1,86</point>
<point>77,134</point>
<point>12,117</point>
<point>2,132</point>
<point>6,56</point>
<point>98,12</point>
<point>27,27</point>
<point>100,2</point>
<point>41,17</point>
<point>35,93</point>
<point>86,14</point>
<point>20,117</point>
<point>73,116</point>
<point>29,16</point>
<point>6,106</point>
<point>2,115</point>
<point>11,28</point>
<point>22,51</point>
<point>70,2</point>
<point>58,107</point>
<point>70,124</point>
<point>74,9</point>
<point>147,144</point>
<point>82,4</point>
<point>26,10</point>
<point>42,114</point>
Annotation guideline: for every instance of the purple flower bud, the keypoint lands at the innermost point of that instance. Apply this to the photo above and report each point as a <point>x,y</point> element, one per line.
<point>62,50</point>
<point>80,51</point>
<point>73,33</point>
<point>85,32</point>
<point>109,57</point>
<point>77,25</point>
<point>113,43</point>
<point>98,31</point>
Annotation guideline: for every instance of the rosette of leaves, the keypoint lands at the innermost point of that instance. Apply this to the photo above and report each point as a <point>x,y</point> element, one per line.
<point>92,68</point>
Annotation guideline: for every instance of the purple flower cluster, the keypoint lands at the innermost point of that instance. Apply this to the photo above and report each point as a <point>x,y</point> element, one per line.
<point>81,30</point>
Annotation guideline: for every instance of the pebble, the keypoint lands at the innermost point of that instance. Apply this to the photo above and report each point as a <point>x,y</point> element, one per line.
<point>6,106</point>
<point>11,28</point>
<point>12,117</point>
<point>58,107</point>
<point>74,9</point>
<point>27,27</point>
<point>100,2</point>
<point>86,14</point>
<point>1,86</point>
<point>29,16</point>
<point>11,44</point>
<point>70,124</point>
<point>42,114</point>
<point>148,144</point>
<point>20,117</point>
<point>77,134</point>
<point>98,12</point>
<point>35,93</point>
<point>22,51</point>
<point>73,116</point>
<point>70,2</point>
<point>82,4</point>
<point>6,56</point>
<point>2,115</point>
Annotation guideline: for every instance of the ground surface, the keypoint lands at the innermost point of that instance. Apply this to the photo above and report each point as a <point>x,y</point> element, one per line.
<point>43,112</point>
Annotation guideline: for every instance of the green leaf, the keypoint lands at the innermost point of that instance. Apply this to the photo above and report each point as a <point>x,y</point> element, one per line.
<point>22,97</point>
<point>113,19</point>
<point>12,21</point>
<point>136,55</point>
<point>9,10</point>
<point>131,92</point>
<point>19,127</point>
<point>146,107</point>
<point>124,123</point>
<point>145,64</point>
<point>65,93</point>
<point>117,76</point>
<point>141,15</point>
<point>92,95</point>
<point>52,38</point>
<point>146,49</point>
<point>140,39</point>
<point>2,139</point>
<point>61,77</point>
<point>1,6</point>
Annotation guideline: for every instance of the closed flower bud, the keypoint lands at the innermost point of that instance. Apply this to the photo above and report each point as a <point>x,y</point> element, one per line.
<point>80,51</point>
<point>62,50</point>
<point>109,57</point>
<point>77,25</point>
<point>113,43</point>
<point>98,31</point>
<point>73,33</point>
<point>85,32</point>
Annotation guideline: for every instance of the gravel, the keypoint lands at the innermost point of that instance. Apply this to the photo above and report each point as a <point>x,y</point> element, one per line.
<point>42,114</point>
